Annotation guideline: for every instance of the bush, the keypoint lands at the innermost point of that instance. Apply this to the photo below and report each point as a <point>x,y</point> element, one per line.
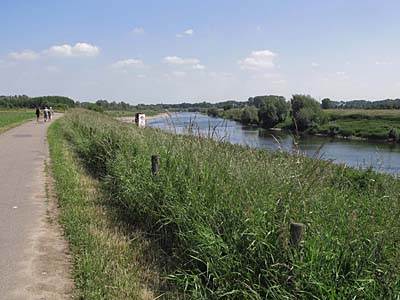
<point>213,112</point>
<point>95,107</point>
<point>273,110</point>
<point>249,115</point>
<point>334,130</point>
<point>394,134</point>
<point>305,111</point>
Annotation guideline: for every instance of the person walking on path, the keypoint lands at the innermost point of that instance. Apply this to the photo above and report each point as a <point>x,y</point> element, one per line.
<point>46,114</point>
<point>37,114</point>
<point>51,113</point>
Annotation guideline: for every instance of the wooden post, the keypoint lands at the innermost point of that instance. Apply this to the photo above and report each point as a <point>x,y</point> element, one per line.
<point>91,131</point>
<point>296,233</point>
<point>154,164</point>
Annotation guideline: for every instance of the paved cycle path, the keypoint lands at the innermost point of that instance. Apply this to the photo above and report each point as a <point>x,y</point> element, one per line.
<point>32,253</point>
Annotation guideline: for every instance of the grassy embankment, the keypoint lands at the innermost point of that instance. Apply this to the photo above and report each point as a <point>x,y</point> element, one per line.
<point>12,118</point>
<point>361,123</point>
<point>111,260</point>
<point>221,213</point>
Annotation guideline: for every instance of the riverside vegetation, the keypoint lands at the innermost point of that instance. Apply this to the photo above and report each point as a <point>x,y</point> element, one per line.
<point>362,119</point>
<point>221,213</point>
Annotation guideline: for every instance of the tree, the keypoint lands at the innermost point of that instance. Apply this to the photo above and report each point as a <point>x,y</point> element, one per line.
<point>273,110</point>
<point>306,111</point>
<point>327,104</point>
<point>249,115</point>
<point>213,112</point>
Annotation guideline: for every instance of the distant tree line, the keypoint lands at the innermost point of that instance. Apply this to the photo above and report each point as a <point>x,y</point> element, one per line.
<point>193,107</point>
<point>361,104</point>
<point>23,101</point>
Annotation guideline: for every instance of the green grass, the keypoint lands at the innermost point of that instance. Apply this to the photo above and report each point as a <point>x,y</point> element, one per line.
<point>108,256</point>
<point>369,124</point>
<point>222,212</point>
<point>12,118</point>
<point>385,114</point>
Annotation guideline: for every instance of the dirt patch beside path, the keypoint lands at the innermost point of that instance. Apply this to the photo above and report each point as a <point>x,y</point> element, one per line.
<point>51,263</point>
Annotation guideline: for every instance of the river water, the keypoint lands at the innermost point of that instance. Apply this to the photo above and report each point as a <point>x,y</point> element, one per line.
<point>382,157</point>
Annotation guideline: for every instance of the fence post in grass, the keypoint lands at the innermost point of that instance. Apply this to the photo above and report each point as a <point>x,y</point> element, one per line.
<point>297,233</point>
<point>91,131</point>
<point>154,165</point>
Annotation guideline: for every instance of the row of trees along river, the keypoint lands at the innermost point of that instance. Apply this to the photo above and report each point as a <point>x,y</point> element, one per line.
<point>376,120</point>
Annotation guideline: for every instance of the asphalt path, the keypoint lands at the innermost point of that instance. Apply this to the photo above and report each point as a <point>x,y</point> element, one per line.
<point>23,153</point>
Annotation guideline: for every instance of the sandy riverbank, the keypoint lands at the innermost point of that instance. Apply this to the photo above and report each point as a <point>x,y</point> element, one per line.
<point>132,119</point>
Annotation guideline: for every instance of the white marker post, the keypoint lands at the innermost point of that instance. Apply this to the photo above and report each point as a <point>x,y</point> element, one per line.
<point>140,120</point>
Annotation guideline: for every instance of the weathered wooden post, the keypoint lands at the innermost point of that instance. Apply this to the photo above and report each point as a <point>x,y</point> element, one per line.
<point>297,233</point>
<point>91,131</point>
<point>154,165</point>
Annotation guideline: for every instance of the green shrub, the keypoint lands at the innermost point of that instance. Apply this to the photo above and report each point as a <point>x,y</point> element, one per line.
<point>95,107</point>
<point>334,130</point>
<point>394,134</point>
<point>305,111</point>
<point>249,115</point>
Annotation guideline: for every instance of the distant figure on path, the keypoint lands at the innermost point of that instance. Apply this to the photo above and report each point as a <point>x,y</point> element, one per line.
<point>46,113</point>
<point>37,114</point>
<point>51,113</point>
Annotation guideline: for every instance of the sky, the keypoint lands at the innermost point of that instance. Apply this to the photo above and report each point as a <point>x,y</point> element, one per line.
<point>170,51</point>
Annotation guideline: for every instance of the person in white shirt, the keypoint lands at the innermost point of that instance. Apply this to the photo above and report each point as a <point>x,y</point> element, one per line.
<point>51,113</point>
<point>46,113</point>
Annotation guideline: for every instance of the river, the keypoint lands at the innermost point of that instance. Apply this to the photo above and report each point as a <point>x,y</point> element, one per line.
<point>382,157</point>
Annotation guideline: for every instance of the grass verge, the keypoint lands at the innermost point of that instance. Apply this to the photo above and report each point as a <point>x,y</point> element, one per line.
<point>11,118</point>
<point>111,260</point>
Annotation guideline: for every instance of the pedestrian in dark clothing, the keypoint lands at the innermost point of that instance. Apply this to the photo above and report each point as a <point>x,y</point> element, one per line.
<point>37,114</point>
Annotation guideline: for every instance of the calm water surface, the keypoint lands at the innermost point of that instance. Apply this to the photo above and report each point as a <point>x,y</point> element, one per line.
<point>381,157</point>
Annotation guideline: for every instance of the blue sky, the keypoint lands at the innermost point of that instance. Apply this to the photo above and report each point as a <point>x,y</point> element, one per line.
<point>174,51</point>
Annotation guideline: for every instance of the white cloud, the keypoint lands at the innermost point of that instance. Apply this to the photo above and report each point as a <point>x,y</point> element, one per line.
<point>179,73</point>
<point>258,60</point>
<point>24,55</point>
<point>78,50</point>
<point>342,75</point>
<point>383,63</point>
<point>176,60</point>
<point>187,32</point>
<point>199,67</point>
<point>314,64</point>
<point>130,62</point>
<point>52,69</point>
<point>138,30</point>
